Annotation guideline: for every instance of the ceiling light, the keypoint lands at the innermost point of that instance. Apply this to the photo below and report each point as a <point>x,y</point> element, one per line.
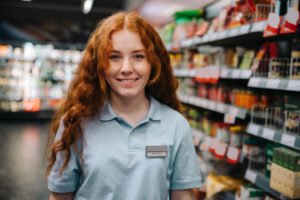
<point>26,0</point>
<point>87,6</point>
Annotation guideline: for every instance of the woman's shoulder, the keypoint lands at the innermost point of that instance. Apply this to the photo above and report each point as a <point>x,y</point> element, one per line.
<point>171,115</point>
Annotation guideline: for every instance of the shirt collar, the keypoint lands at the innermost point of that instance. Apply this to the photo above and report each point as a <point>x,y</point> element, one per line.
<point>154,111</point>
<point>107,113</point>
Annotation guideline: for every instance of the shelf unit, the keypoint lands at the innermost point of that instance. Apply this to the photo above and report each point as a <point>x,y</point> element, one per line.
<point>253,30</point>
<point>219,107</point>
<point>276,84</point>
<point>34,78</point>
<point>225,73</point>
<point>247,35</point>
<point>22,115</point>
<point>261,181</point>
<point>275,135</point>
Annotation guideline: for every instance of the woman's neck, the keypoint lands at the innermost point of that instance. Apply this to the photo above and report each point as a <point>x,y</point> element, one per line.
<point>132,110</point>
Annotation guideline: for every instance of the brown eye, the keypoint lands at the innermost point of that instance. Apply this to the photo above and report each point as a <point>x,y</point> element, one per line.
<point>115,57</point>
<point>139,57</point>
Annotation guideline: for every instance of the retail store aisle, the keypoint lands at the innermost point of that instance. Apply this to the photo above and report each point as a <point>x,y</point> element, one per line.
<point>22,163</point>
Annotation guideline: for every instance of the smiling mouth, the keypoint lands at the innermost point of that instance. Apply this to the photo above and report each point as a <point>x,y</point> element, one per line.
<point>128,80</point>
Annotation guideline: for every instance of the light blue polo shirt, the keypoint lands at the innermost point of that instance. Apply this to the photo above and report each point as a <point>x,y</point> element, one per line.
<point>116,166</point>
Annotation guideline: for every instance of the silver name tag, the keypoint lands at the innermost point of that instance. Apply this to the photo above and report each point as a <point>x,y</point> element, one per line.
<point>158,151</point>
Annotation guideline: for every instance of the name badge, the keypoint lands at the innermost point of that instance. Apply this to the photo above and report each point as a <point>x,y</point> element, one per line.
<point>159,151</point>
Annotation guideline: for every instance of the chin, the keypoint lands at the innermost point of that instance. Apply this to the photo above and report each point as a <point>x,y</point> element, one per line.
<point>128,95</point>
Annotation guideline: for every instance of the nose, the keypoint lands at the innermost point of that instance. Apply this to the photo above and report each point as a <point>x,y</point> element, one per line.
<point>126,66</point>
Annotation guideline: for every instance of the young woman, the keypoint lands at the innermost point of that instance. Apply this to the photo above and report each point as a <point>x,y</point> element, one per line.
<point>119,135</point>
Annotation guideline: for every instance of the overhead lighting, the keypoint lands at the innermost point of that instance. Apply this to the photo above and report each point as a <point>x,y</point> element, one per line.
<point>87,6</point>
<point>26,0</point>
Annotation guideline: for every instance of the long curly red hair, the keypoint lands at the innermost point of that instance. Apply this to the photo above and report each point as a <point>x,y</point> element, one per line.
<point>88,90</point>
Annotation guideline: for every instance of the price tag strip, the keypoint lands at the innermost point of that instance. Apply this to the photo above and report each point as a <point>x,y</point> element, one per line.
<point>229,118</point>
<point>244,29</point>
<point>204,103</point>
<point>259,26</point>
<point>254,82</point>
<point>288,140</point>
<point>246,74</point>
<point>234,32</point>
<point>273,83</point>
<point>220,149</point>
<point>212,105</point>
<point>221,107</point>
<point>253,129</point>
<point>233,155</point>
<point>294,85</point>
<point>251,176</point>
<point>224,73</point>
<point>214,36</point>
<point>268,133</point>
<point>196,40</point>
<point>235,73</point>
<point>222,35</point>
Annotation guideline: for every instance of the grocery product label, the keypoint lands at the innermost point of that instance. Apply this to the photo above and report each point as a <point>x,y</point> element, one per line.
<point>288,140</point>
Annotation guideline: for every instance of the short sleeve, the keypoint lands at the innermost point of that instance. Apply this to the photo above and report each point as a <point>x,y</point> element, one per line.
<point>186,170</point>
<point>69,179</point>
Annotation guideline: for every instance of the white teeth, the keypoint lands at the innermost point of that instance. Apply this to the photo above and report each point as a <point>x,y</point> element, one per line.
<point>128,80</point>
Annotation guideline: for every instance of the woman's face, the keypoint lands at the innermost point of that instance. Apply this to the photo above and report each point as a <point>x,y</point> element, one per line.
<point>129,69</point>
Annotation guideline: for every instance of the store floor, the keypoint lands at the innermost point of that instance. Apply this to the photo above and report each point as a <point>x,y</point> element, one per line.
<point>22,163</point>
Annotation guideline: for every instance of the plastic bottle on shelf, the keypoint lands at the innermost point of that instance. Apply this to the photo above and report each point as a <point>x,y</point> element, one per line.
<point>295,58</point>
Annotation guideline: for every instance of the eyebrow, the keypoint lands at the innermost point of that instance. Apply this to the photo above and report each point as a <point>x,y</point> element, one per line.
<point>135,51</point>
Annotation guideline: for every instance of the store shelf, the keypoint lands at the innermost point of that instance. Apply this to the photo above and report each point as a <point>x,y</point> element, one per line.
<point>230,35</point>
<point>235,74</point>
<point>224,73</point>
<point>275,84</point>
<point>274,135</point>
<point>261,181</point>
<point>213,105</point>
<point>22,115</point>
<point>185,73</point>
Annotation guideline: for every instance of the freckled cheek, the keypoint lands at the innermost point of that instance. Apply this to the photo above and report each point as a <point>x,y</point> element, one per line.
<point>143,68</point>
<point>111,71</point>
